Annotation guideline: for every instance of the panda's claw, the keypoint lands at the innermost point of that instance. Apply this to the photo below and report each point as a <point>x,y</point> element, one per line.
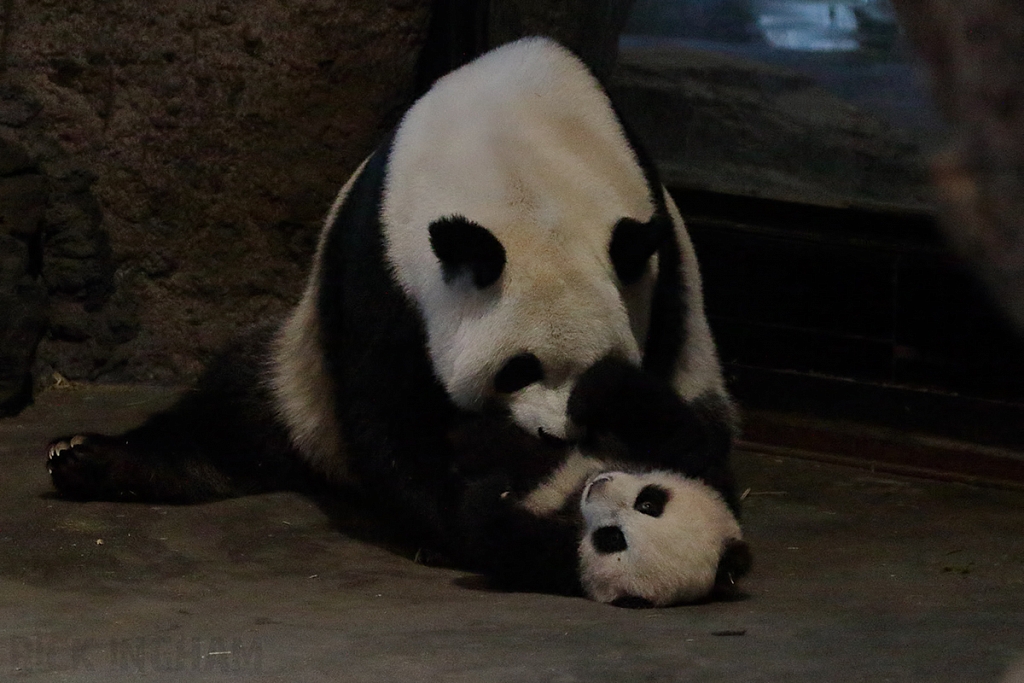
<point>64,452</point>
<point>79,465</point>
<point>58,447</point>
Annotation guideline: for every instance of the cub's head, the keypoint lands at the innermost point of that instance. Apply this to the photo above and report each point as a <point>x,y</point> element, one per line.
<point>657,539</point>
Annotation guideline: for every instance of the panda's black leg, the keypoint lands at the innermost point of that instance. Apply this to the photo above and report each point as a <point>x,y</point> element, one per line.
<point>101,467</point>
<point>459,495</point>
<point>516,548</point>
<point>221,439</point>
<point>499,464</point>
<point>655,424</point>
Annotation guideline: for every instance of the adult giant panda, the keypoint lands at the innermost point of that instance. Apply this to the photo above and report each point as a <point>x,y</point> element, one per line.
<point>502,339</point>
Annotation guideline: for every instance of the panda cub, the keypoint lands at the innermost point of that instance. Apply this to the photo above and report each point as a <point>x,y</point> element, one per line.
<point>501,341</point>
<point>645,496</point>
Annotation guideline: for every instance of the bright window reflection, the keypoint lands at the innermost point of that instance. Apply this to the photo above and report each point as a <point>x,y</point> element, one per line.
<point>821,26</point>
<point>854,48</point>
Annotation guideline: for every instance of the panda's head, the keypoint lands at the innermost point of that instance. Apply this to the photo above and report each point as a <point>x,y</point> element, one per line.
<point>519,222</point>
<point>657,539</point>
<point>519,325</point>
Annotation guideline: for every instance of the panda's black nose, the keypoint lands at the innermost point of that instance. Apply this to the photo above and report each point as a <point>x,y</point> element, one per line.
<point>608,539</point>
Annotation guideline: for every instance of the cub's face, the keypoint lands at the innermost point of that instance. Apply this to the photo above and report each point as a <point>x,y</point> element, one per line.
<point>656,539</point>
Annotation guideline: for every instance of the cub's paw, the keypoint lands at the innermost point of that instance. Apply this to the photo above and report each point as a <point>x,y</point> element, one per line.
<point>80,465</point>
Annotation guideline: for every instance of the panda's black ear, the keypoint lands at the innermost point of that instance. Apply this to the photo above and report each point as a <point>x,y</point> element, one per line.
<point>734,563</point>
<point>462,246</point>
<point>633,243</point>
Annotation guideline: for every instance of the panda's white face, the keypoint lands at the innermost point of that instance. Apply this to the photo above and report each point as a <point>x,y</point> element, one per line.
<point>526,342</point>
<point>505,185</point>
<point>654,538</point>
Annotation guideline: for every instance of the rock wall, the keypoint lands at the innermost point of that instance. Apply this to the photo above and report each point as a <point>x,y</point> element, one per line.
<point>22,293</point>
<point>164,167</point>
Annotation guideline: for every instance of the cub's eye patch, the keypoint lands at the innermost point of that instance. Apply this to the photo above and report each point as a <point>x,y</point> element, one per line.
<point>651,500</point>
<point>518,373</point>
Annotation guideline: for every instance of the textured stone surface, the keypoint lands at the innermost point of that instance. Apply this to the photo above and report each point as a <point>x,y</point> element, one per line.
<point>22,293</point>
<point>22,200</point>
<point>17,105</point>
<point>190,150</point>
<point>13,158</point>
<point>857,577</point>
<point>22,321</point>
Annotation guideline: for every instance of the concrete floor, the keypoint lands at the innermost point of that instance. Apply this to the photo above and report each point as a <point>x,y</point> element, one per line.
<point>858,577</point>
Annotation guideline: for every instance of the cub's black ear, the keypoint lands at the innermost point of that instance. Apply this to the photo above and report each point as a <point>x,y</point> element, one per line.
<point>462,246</point>
<point>732,566</point>
<point>633,243</point>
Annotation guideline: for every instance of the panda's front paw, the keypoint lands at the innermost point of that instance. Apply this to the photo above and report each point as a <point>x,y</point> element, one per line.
<point>615,396</point>
<point>79,465</point>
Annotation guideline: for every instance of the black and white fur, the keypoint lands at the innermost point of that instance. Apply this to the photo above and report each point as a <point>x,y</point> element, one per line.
<point>506,240</point>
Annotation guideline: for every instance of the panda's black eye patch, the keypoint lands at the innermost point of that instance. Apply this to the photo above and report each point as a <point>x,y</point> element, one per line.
<point>633,243</point>
<point>462,246</point>
<point>518,373</point>
<point>651,500</point>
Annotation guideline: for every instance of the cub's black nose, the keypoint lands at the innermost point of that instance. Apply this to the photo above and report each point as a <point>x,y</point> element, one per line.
<point>608,539</point>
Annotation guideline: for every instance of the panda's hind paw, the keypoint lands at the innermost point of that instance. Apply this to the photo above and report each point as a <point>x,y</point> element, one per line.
<point>62,446</point>
<point>79,465</point>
